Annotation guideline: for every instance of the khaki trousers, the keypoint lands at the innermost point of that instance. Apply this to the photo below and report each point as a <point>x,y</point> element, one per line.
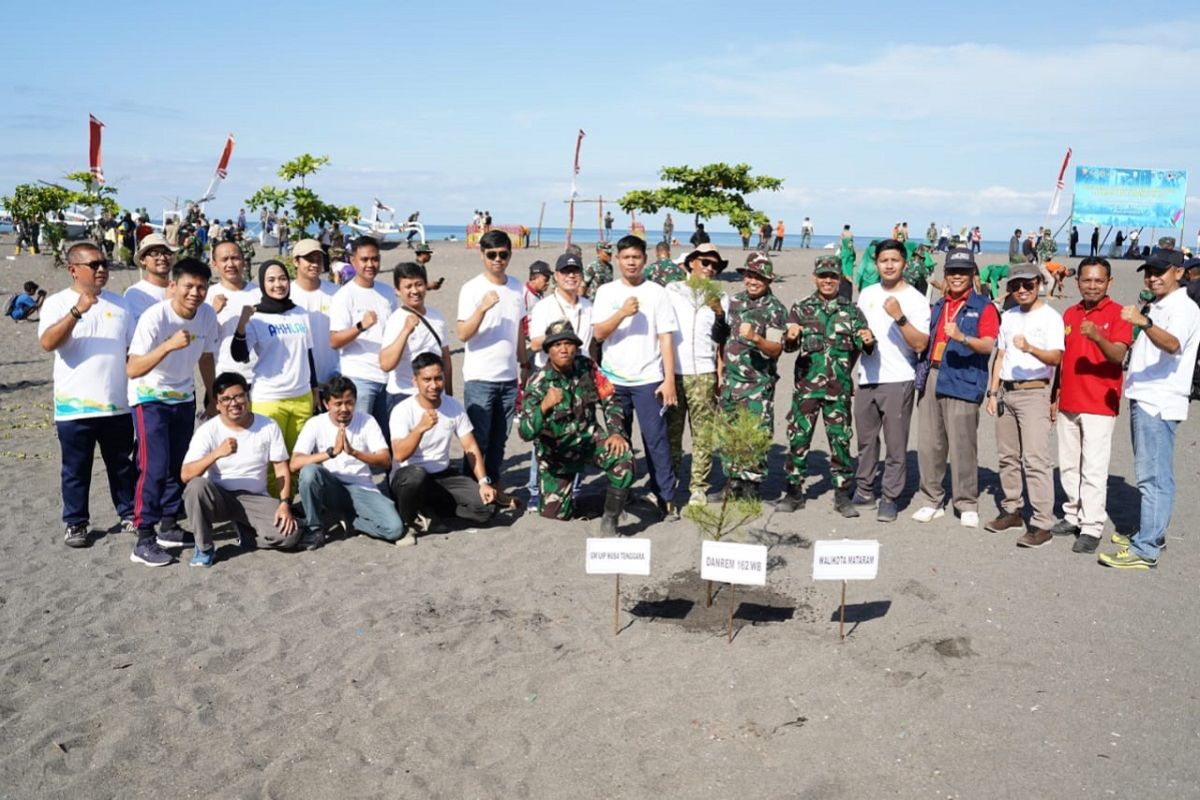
<point>1023,441</point>
<point>1084,447</point>
<point>948,427</point>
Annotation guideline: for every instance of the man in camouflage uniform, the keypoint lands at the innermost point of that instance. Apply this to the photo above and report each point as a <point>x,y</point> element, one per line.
<point>558,414</point>
<point>246,245</point>
<point>664,270</point>
<point>599,271</point>
<point>1046,246</point>
<point>917,269</point>
<point>757,322</point>
<point>829,332</point>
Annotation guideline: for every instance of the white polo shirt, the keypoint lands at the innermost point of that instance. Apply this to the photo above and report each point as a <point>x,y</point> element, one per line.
<point>1042,328</point>
<point>1161,382</point>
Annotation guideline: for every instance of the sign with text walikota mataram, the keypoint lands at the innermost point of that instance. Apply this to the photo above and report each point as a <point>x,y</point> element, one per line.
<point>1129,198</point>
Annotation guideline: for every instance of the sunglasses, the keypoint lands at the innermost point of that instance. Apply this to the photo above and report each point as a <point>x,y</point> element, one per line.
<point>708,262</point>
<point>1027,284</point>
<point>497,255</point>
<point>97,264</point>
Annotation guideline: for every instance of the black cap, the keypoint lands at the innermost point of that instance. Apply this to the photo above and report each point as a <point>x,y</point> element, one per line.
<point>960,258</point>
<point>560,330</point>
<point>539,268</point>
<point>567,262</point>
<point>1163,259</point>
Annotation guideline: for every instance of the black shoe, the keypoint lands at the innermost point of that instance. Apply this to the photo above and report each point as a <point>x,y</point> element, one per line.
<point>887,511</point>
<point>793,500</point>
<point>1085,544</point>
<point>76,535</point>
<point>1064,528</point>
<point>312,540</point>
<point>174,537</point>
<point>863,500</point>
<point>614,503</point>
<point>668,509</point>
<point>844,505</point>
<point>735,488</point>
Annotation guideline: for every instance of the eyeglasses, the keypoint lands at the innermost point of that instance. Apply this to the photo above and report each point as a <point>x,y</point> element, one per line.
<point>239,398</point>
<point>97,264</point>
<point>159,253</point>
<point>497,255</point>
<point>1026,285</point>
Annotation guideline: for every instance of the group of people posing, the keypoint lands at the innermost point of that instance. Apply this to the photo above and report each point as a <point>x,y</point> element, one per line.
<point>342,399</point>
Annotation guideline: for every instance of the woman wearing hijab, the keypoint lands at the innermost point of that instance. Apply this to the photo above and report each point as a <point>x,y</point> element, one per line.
<point>278,332</point>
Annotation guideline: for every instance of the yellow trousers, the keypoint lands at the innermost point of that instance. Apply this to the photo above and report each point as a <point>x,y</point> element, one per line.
<point>290,415</point>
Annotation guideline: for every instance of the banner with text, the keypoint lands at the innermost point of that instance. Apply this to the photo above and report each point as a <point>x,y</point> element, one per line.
<point>1129,198</point>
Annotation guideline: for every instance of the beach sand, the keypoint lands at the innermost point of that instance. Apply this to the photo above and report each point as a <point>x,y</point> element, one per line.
<point>483,664</point>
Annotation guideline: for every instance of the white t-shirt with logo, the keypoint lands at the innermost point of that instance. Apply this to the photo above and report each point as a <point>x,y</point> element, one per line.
<point>227,320</point>
<point>171,379</point>
<point>433,451</point>
<point>554,308</point>
<point>89,366</point>
<point>245,470</point>
<point>363,433</point>
<point>1042,327</point>
<point>280,344</point>
<point>142,295</point>
<point>631,354</point>
<point>360,358</point>
<point>400,379</point>
<point>491,354</point>
<point>1159,381</point>
<point>695,350</point>
<point>892,360</point>
<point>317,303</point>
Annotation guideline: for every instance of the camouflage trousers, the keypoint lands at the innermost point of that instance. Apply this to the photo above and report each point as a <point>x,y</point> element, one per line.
<point>802,421</point>
<point>696,403</point>
<point>759,399</point>
<point>556,478</point>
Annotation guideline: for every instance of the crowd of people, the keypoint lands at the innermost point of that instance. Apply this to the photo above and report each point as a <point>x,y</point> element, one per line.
<point>328,410</point>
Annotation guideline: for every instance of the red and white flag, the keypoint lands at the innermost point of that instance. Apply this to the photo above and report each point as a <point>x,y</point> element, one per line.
<point>1060,184</point>
<point>94,157</point>
<point>223,166</point>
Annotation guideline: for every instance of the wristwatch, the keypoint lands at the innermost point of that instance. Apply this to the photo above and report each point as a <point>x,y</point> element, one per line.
<point>902,320</point>
<point>1149,324</point>
<point>486,480</point>
<point>329,452</point>
<point>359,325</point>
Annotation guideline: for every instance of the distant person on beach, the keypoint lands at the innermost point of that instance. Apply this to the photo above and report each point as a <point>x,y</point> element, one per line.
<point>412,218</point>
<point>943,239</point>
<point>599,271</point>
<point>490,310</point>
<point>225,472</point>
<point>669,230</point>
<point>764,236</point>
<point>931,234</point>
<point>664,270</point>
<point>487,221</point>
<point>1073,240</point>
<point>88,329</point>
<point>26,304</point>
<point>777,245</point>
<point>334,456</point>
<point>172,340</point>
<point>1015,252</point>
<point>608,223</point>
<point>699,236</point>
<point>423,254</point>
<point>1157,383</point>
<point>1119,240</point>
<point>241,219</point>
<point>156,258</point>
<point>806,233</point>
<point>849,257</point>
<point>1095,242</point>
<point>976,240</point>
<point>312,292</point>
<point>1029,249</point>
<point>745,233</point>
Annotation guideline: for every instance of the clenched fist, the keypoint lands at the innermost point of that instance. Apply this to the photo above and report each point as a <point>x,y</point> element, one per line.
<point>553,397</point>
<point>226,448</point>
<point>369,318</point>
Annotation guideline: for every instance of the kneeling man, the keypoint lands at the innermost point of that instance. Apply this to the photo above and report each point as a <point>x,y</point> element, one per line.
<point>334,455</point>
<point>225,472</point>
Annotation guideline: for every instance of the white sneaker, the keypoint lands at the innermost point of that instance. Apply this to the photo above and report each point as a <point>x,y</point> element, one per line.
<point>969,519</point>
<point>928,513</point>
<point>698,499</point>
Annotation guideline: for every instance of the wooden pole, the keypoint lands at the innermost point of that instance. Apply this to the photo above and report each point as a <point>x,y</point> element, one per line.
<point>732,595</point>
<point>541,216</point>
<point>600,219</point>
<point>617,604</point>
<point>842,615</point>
<point>570,219</point>
<point>708,594</point>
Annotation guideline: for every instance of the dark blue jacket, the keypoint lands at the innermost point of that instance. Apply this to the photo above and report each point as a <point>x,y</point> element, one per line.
<point>963,373</point>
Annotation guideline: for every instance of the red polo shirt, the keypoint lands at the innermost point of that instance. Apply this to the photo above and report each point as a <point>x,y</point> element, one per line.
<point>1088,382</point>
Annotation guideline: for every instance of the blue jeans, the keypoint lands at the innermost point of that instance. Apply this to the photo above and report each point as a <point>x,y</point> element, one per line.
<point>655,443</point>
<point>78,439</point>
<point>490,406</point>
<point>373,400</point>
<point>1154,465</point>
<point>326,498</point>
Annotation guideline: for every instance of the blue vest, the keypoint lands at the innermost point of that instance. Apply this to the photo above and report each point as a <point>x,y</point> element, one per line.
<point>963,373</point>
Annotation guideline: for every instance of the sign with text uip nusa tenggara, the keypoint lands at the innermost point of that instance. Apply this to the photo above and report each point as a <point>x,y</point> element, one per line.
<point>617,556</point>
<point>845,560</point>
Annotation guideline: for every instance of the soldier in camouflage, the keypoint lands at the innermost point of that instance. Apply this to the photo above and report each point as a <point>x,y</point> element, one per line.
<point>1046,246</point>
<point>757,322</point>
<point>558,414</point>
<point>829,332</point>
<point>664,270</point>
<point>599,271</point>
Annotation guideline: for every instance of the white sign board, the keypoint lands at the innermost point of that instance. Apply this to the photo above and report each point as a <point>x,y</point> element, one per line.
<point>845,560</point>
<point>615,556</point>
<point>729,562</point>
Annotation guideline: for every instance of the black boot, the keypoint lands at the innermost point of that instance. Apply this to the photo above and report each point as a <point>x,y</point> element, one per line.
<point>843,504</point>
<point>793,500</point>
<point>614,503</point>
<point>736,489</point>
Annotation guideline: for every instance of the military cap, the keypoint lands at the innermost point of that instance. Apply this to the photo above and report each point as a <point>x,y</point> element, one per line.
<point>560,331</point>
<point>424,248</point>
<point>828,265</point>
<point>604,247</point>
<point>1167,242</point>
<point>760,267</point>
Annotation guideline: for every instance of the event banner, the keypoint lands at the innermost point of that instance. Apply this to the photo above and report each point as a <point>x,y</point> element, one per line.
<point>1129,198</point>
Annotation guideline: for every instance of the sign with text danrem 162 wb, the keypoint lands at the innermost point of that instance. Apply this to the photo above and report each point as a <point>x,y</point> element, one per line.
<point>618,556</point>
<point>845,560</point>
<point>1129,198</point>
<point>730,562</point>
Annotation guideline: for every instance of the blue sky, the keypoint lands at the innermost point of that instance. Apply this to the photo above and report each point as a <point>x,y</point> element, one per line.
<point>871,114</point>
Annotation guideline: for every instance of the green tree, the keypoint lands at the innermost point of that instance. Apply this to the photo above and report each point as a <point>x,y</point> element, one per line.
<point>305,206</point>
<point>92,194</point>
<point>709,191</point>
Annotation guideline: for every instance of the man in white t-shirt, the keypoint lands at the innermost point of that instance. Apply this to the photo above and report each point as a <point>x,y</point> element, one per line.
<point>88,329</point>
<point>334,455</point>
<point>171,339</point>
<point>156,257</point>
<point>225,470</point>
<point>1158,384</point>
<point>490,310</point>
<point>1028,351</point>
<point>423,427</point>
<point>635,321</point>
<point>898,316</point>
<point>412,329</point>
<point>356,318</point>
<point>312,292</point>
<point>228,297</point>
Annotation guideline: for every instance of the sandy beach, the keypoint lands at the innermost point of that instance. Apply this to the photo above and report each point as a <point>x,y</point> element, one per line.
<point>482,663</point>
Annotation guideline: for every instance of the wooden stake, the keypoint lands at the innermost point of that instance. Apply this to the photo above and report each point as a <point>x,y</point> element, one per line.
<point>842,615</point>
<point>732,595</point>
<point>616,604</point>
<point>708,594</point>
